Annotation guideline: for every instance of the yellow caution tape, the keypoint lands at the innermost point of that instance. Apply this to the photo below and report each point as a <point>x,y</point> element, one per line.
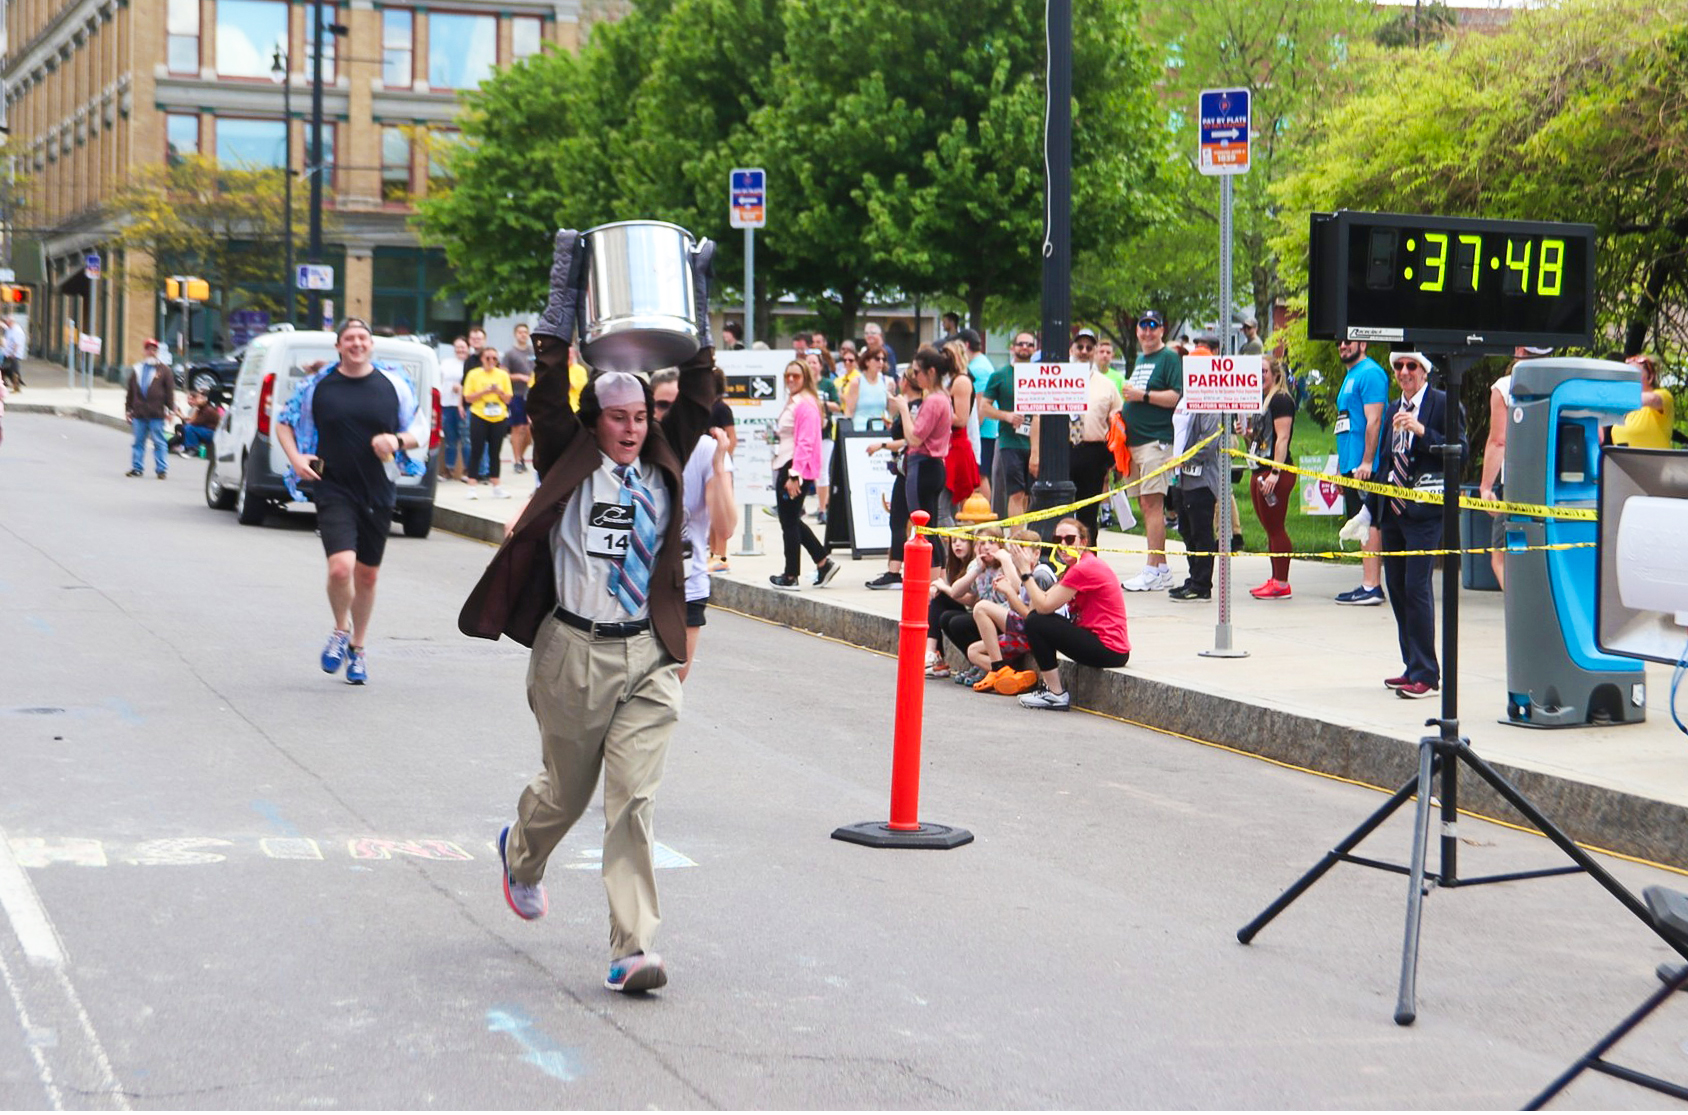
<point>1502,507</point>
<point>1326,555</point>
<point>1069,508</point>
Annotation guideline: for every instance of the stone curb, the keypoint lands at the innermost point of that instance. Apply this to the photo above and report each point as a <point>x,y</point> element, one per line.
<point>87,414</point>
<point>1608,819</point>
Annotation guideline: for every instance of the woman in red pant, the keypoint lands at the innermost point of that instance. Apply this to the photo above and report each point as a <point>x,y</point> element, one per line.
<point>1271,487</point>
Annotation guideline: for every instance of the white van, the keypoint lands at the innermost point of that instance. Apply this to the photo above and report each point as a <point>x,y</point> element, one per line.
<point>247,465</point>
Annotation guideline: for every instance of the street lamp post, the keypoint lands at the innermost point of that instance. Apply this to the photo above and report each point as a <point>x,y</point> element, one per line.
<point>281,70</point>
<point>316,154</point>
<point>1054,487</point>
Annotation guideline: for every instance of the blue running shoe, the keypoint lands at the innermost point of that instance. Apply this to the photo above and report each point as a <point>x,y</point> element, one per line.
<point>356,672</point>
<point>334,654</point>
<point>528,901</point>
<point>643,971</point>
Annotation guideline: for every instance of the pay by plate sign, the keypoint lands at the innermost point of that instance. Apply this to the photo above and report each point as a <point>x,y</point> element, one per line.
<point>1224,384</point>
<point>1051,388</point>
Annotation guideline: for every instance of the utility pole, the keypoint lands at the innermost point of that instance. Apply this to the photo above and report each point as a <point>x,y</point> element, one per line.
<point>1053,486</point>
<point>321,29</point>
<point>283,64</point>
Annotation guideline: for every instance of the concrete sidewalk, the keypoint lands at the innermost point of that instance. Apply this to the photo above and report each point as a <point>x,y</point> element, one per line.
<point>1309,693</point>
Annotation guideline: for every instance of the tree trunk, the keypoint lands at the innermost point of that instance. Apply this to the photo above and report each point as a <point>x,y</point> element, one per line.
<point>1660,272</point>
<point>976,308</point>
<point>849,305</point>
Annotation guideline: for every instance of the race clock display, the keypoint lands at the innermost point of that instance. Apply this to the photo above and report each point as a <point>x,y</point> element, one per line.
<point>1451,282</point>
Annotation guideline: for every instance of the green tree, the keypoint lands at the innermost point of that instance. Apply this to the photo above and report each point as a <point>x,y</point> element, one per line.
<point>224,224</point>
<point>1300,59</point>
<point>1570,113</point>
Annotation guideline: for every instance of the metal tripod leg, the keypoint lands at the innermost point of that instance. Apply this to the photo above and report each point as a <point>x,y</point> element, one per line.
<point>1331,858</point>
<point>1406,1002</point>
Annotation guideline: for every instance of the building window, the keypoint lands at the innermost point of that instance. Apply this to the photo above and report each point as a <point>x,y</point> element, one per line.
<point>330,14</point>
<point>253,144</point>
<point>181,137</point>
<point>248,31</point>
<point>395,164</point>
<point>524,35</point>
<point>182,30</point>
<point>462,49</point>
<point>398,42</point>
<point>442,143</point>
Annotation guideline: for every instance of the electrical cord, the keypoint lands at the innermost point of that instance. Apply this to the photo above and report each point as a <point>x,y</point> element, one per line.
<point>1677,680</point>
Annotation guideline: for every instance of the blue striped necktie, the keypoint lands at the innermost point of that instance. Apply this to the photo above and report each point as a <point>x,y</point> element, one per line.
<point>630,580</point>
<point>1398,462</point>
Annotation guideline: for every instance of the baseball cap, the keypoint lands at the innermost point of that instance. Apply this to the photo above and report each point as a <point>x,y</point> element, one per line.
<point>1152,315</point>
<point>1534,351</point>
<point>1085,331</point>
<point>150,342</point>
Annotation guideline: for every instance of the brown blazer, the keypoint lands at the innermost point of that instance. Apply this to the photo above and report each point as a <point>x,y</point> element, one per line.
<point>160,399</point>
<point>518,590</point>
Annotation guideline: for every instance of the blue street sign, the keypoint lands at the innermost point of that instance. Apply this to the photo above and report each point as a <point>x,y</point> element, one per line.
<point>1223,116</point>
<point>747,198</point>
<point>91,264</point>
<point>314,276</point>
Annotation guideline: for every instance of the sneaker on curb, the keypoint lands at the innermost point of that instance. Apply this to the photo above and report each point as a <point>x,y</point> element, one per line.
<point>1416,690</point>
<point>781,580</point>
<point>134,472</point>
<point>719,565</point>
<point>474,492</point>
<point>520,467</point>
<point>1146,580</point>
<point>1044,699</point>
<point>334,654</point>
<point>527,900</point>
<point>1016,682</point>
<point>1396,683</point>
<point>825,573</point>
<point>643,971</point>
<point>1272,590</point>
<point>1185,593</point>
<point>500,493</point>
<point>356,671</point>
<point>886,580</point>
<point>987,684</point>
<point>163,475</point>
<point>971,676</point>
<point>937,668</point>
<point>1362,597</point>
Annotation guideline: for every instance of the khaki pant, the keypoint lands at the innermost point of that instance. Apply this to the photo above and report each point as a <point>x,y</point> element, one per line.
<point>599,702</point>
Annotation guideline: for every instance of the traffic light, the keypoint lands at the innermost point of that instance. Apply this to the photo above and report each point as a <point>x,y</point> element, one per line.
<point>14,295</point>
<point>186,288</point>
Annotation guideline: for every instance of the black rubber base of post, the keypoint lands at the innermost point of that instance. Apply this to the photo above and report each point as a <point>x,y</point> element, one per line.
<point>879,834</point>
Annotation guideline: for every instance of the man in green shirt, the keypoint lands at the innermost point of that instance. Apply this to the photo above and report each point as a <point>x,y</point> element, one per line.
<point>1011,482</point>
<point>1151,395</point>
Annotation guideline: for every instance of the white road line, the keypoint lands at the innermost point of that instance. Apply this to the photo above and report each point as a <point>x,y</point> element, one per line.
<point>43,949</point>
<point>24,910</point>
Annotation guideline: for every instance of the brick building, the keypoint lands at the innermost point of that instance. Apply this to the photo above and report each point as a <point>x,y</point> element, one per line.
<point>96,88</point>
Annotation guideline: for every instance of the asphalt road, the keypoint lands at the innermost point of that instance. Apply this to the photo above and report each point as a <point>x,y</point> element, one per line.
<point>229,881</point>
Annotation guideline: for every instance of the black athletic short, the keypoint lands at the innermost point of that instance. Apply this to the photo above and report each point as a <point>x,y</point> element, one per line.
<point>694,612</point>
<point>346,524</point>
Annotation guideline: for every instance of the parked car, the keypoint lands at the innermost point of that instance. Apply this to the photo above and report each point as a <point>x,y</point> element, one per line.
<point>246,469</point>
<point>214,377</point>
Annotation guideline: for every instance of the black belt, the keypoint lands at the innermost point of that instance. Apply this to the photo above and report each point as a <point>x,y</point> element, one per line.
<point>603,630</point>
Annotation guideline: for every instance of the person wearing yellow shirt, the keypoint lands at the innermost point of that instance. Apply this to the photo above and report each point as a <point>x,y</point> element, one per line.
<point>578,377</point>
<point>1649,427</point>
<point>487,392</point>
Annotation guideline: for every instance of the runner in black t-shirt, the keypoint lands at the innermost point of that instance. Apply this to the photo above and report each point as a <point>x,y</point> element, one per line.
<point>355,412</point>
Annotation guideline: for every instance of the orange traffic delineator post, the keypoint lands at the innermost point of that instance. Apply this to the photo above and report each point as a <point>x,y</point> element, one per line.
<point>904,829</point>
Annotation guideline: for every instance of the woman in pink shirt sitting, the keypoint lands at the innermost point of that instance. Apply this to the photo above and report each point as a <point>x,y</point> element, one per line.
<point>797,464</point>
<point>1095,633</point>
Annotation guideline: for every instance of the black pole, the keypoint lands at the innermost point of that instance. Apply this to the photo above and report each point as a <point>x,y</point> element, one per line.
<point>316,156</point>
<point>285,61</point>
<point>1053,486</point>
<point>1453,474</point>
